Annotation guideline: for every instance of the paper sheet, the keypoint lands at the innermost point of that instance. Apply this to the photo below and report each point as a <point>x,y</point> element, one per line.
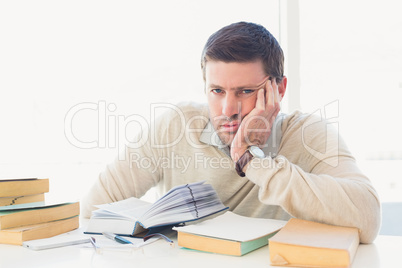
<point>56,241</point>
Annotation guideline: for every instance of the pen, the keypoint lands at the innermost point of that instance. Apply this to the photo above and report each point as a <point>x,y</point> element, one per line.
<point>116,238</point>
<point>93,242</point>
<point>159,235</point>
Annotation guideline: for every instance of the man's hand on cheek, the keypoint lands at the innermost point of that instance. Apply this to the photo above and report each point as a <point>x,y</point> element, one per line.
<point>256,126</point>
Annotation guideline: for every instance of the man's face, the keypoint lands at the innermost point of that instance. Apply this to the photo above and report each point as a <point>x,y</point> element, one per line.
<point>231,90</point>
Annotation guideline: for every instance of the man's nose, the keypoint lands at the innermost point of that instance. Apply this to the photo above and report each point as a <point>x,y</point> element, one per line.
<point>231,106</point>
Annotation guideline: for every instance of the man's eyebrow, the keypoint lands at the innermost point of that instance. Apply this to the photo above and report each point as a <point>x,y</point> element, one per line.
<point>241,87</point>
<point>214,86</point>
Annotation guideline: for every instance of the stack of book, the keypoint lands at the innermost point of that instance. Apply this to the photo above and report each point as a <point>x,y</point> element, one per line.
<point>24,215</point>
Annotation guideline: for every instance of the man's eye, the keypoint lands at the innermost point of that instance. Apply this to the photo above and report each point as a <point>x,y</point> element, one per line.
<point>217,90</point>
<point>247,91</point>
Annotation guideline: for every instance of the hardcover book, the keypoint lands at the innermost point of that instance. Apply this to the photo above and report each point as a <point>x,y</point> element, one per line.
<point>13,202</point>
<point>312,244</point>
<point>229,234</point>
<point>17,235</point>
<point>21,187</point>
<point>37,214</point>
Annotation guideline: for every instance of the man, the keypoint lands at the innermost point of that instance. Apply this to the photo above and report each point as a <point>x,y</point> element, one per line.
<point>260,162</point>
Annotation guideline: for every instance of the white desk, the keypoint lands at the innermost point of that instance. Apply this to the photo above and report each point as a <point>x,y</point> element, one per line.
<point>384,252</point>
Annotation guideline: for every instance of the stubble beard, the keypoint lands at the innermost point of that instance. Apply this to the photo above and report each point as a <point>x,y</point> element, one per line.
<point>227,137</point>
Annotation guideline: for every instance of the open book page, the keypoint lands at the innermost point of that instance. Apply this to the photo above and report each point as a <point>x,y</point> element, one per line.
<point>131,208</point>
<point>177,188</point>
<point>183,215</point>
<point>185,203</point>
<point>181,204</point>
<point>193,195</point>
<point>176,195</point>
<point>234,227</point>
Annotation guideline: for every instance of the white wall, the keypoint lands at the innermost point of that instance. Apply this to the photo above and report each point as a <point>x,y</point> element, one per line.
<point>351,63</point>
<point>113,58</point>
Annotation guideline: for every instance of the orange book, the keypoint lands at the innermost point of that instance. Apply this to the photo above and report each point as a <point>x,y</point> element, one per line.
<point>39,214</point>
<point>17,235</point>
<point>220,246</point>
<point>21,200</point>
<point>19,187</point>
<point>311,244</point>
<point>229,234</point>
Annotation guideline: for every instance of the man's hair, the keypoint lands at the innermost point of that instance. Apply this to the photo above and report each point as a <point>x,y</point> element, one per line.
<point>245,42</point>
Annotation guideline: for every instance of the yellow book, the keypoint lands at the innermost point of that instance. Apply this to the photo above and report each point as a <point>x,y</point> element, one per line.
<point>41,214</point>
<point>19,187</point>
<point>21,200</point>
<point>16,236</point>
<point>228,234</point>
<point>220,246</point>
<point>311,244</point>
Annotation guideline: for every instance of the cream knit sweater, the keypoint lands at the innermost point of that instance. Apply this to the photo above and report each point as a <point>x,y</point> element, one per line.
<point>311,174</point>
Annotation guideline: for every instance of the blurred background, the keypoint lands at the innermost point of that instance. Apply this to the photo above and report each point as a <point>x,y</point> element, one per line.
<point>77,78</point>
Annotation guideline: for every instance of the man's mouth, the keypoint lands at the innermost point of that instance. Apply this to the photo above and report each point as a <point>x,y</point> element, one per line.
<point>230,126</point>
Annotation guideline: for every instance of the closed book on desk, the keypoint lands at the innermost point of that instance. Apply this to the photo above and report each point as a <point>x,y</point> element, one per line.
<point>17,235</point>
<point>311,244</point>
<point>138,218</point>
<point>39,214</point>
<point>12,202</point>
<point>229,234</point>
<point>21,187</point>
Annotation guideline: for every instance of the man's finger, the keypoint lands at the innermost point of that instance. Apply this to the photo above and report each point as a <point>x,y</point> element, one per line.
<point>269,96</point>
<point>260,103</point>
<point>276,94</point>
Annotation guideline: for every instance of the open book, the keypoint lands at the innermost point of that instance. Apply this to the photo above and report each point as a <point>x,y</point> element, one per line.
<point>136,217</point>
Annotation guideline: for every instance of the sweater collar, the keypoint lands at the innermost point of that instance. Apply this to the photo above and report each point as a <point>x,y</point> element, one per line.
<point>271,147</point>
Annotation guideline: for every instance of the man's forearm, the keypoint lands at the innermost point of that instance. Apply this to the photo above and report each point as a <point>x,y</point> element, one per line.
<point>346,199</point>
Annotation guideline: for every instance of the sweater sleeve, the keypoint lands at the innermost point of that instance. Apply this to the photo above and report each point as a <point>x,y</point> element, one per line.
<point>141,165</point>
<point>314,177</point>
<point>131,174</point>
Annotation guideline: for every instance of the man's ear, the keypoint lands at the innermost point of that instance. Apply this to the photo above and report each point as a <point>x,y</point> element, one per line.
<point>282,86</point>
